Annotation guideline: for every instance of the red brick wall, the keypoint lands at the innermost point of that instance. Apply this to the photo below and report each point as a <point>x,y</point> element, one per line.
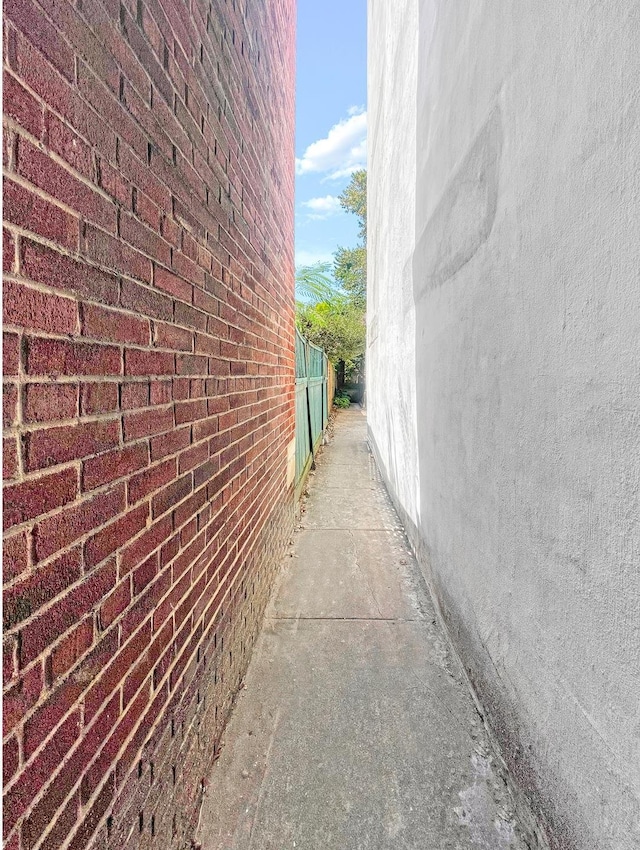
<point>148,398</point>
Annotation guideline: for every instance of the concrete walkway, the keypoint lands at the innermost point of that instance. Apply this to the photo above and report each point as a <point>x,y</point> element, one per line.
<point>356,728</point>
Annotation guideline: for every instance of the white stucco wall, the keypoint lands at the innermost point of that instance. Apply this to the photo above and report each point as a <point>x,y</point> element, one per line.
<point>391,395</point>
<point>504,271</point>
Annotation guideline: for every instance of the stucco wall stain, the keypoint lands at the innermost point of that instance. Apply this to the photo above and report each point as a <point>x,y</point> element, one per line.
<point>463,218</point>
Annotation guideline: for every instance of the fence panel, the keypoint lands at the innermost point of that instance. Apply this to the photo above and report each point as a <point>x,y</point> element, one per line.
<point>312,404</point>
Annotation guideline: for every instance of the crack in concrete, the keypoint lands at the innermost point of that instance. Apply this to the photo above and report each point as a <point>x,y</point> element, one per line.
<point>363,573</point>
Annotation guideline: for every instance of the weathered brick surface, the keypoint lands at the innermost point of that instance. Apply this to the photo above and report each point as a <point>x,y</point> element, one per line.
<point>148,399</point>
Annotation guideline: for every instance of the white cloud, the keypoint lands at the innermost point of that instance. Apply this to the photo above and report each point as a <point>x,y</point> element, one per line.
<point>322,207</point>
<point>343,151</point>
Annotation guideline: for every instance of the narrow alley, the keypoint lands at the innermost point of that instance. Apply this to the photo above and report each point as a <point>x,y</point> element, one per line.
<point>356,728</point>
<point>222,221</point>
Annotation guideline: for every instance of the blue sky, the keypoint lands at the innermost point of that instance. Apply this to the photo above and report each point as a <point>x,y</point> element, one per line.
<point>331,122</point>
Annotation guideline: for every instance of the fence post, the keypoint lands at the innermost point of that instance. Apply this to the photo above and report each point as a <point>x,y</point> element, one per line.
<point>307,350</point>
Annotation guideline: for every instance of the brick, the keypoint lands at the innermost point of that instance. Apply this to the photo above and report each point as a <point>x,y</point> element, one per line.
<point>107,105</point>
<point>40,170</point>
<point>206,344</point>
<point>142,50</point>
<point>99,398</point>
<point>49,714</point>
<point>30,20</point>
<point>72,647</point>
<point>10,759</point>
<point>191,506</point>
<point>47,266</point>
<point>10,353</point>
<point>114,672</point>
<point>94,815</point>
<point>161,391</point>
<point>123,728</point>
<point>204,301</point>
<point>147,423</point>
<point>144,239</point>
<point>149,480</point>
<point>136,170</point>
<point>18,104</point>
<point>172,284</point>
<point>170,336</point>
<point>113,325</point>
<point>150,716</point>
<point>145,573</point>
<point>28,308</point>
<point>171,231</point>
<point>32,212</point>
<point>140,362</point>
<point>63,97</point>
<point>146,301</point>
<point>191,364</point>
<point>68,145</point>
<point>17,701</point>
<point>189,317</point>
<point>32,498</point>
<point>8,250</point>
<point>112,181</point>
<point>100,470</point>
<point>134,395</point>
<point>50,402</point>
<point>41,632</point>
<point>67,526</point>
<point>15,555</point>
<point>69,442</point>
<point>9,659</point>
<point>149,212</point>
<point>148,119</point>
<point>171,495</point>
<point>141,548</point>
<point>62,357</point>
<point>115,535</point>
<point>21,794</point>
<point>115,604</point>
<point>61,823</point>
<point>193,457</point>
<point>190,411</point>
<point>9,458</point>
<point>25,598</point>
<point>205,428</point>
<point>45,815</point>
<point>181,388</point>
<point>145,604</point>
<point>111,253</point>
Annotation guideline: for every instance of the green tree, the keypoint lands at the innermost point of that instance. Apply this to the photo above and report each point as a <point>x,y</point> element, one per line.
<point>354,200</point>
<point>350,268</point>
<point>350,264</point>
<point>330,312</point>
<point>337,326</point>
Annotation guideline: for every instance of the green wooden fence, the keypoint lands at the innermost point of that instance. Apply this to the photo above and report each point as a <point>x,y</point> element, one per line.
<point>312,404</point>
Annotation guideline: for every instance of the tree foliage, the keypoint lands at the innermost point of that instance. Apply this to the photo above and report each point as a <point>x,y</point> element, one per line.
<point>350,269</point>
<point>330,312</point>
<point>350,264</point>
<point>314,284</point>
<point>337,326</point>
<point>354,200</point>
